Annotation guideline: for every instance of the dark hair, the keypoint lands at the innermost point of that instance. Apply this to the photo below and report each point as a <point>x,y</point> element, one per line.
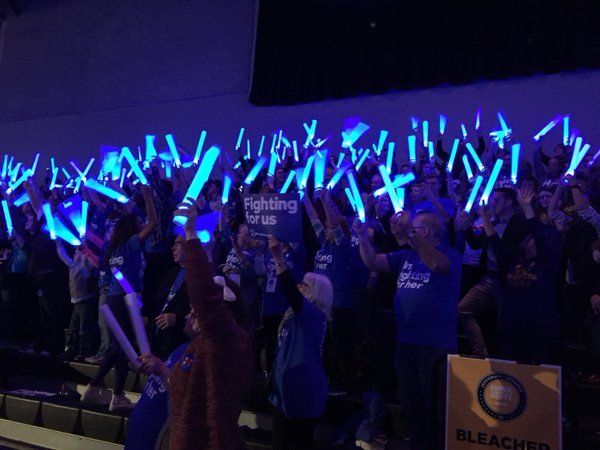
<point>125,228</point>
<point>509,194</point>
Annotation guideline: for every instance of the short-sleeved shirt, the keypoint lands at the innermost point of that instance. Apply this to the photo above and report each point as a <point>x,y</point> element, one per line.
<point>299,380</point>
<point>129,259</point>
<point>426,303</point>
<point>152,409</point>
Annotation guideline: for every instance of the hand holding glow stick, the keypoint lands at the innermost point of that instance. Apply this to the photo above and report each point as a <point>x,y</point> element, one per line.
<point>450,164</point>
<point>491,182</point>
<point>474,192</point>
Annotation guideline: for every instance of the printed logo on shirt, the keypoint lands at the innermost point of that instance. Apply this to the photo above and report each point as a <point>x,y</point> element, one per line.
<point>322,260</point>
<point>116,261</point>
<point>409,278</point>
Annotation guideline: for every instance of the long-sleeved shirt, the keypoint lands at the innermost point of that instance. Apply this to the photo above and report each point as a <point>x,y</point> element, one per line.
<point>210,379</point>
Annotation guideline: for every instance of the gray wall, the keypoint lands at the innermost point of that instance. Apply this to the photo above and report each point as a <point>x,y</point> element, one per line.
<point>79,74</point>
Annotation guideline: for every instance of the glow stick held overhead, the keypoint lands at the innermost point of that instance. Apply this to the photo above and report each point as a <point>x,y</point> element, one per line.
<point>390,157</point>
<point>453,152</point>
<point>360,207</point>
<point>82,227</point>
<point>272,163</point>
<point>337,176</point>
<point>255,170</point>
<point>468,170</point>
<point>319,165</point>
<point>514,162</point>
<point>199,147</point>
<point>397,183</point>
<point>473,194</point>
<point>351,136</point>
<point>566,130</point>
<point>105,190</point>
<point>478,119</point>
<point>5,166</point>
<point>425,125</point>
<point>383,134</point>
<point>464,130</point>
<point>578,155</point>
<point>401,193</point>
<point>134,165</point>
<point>412,148</point>
<point>24,198</point>
<point>431,151</point>
<point>475,157</point>
<point>239,139</point>
<point>414,123</point>
<point>7,218</point>
<point>151,152</point>
<point>227,183</point>
<point>363,158</point>
<point>306,172</point>
<point>503,124</point>
<point>262,145</point>
<point>443,120</point>
<point>65,233</point>
<point>295,148</point>
<point>173,149</point>
<point>546,129</point>
<point>288,182</point>
<point>396,204</point>
<point>310,132</point>
<point>12,186</point>
<point>489,187</point>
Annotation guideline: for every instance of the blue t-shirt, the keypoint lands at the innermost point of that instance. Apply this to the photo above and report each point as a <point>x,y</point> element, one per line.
<point>129,259</point>
<point>152,410</point>
<point>427,205</point>
<point>426,303</point>
<point>274,303</point>
<point>333,261</point>
<point>299,380</point>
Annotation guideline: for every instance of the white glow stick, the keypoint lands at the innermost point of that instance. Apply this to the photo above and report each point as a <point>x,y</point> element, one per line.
<point>566,130</point>
<point>514,162</point>
<point>396,204</point>
<point>119,335</point>
<point>473,194</point>
<point>431,151</point>
<point>255,170</point>
<point>173,149</point>
<point>53,180</point>
<point>465,160</point>
<point>425,125</point>
<point>390,157</point>
<point>503,124</point>
<point>295,148</point>
<point>134,305</point>
<point>577,157</point>
<point>475,156</point>
<point>35,163</point>
<point>383,134</point>
<point>401,192</point>
<point>351,136</point>
<point>11,187</point>
<point>151,152</point>
<point>450,164</point>
<point>310,132</point>
<point>288,182</point>
<point>478,119</point>
<point>82,228</point>
<point>489,187</point>
<point>319,165</point>
<point>362,159</point>
<point>239,139</point>
<point>262,145</point>
<point>546,129</point>
<point>397,183</point>
<point>464,130</point>
<point>412,148</point>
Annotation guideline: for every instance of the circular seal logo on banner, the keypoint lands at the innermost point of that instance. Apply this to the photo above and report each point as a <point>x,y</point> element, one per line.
<point>501,396</point>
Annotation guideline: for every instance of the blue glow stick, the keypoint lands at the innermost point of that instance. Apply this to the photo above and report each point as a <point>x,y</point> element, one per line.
<point>383,134</point>
<point>341,157</point>
<point>401,192</point>
<point>390,157</point>
<point>54,176</point>
<point>24,198</point>
<point>15,172</point>
<point>4,166</point>
<point>35,163</point>
<point>362,159</point>
<point>248,152</point>
<point>319,165</point>
<point>7,218</point>
<point>489,187</point>
<point>279,136</point>
<point>306,171</point>
<point>348,193</point>
<point>19,182</point>
<point>503,124</point>
<point>295,147</point>
<point>82,227</point>
<point>475,157</point>
<point>310,132</point>
<point>122,280</point>
<point>582,153</point>
<point>478,119</point>
<point>49,220</point>
<point>255,170</point>
<point>134,165</point>
<point>151,152</point>
<point>239,139</point>
<point>199,147</point>
<point>360,207</point>
<point>272,164</point>
<point>425,125</point>
<point>288,182</point>
<point>566,130</point>
<point>227,182</point>
<point>351,136</point>
<point>412,148</point>
<point>274,142</point>
<point>414,123</point>
<point>396,204</point>
<point>443,120</point>
<point>431,151</point>
<point>79,172</point>
<point>465,160</point>
<point>262,145</point>
<point>453,152</point>
<point>105,190</point>
<point>123,175</point>
<point>546,129</point>
<point>64,233</point>
<point>337,176</point>
<point>286,142</point>
<point>473,194</point>
<point>237,165</point>
<point>514,162</point>
<point>173,148</point>
<point>464,130</point>
<point>397,183</point>
<point>576,149</point>
<point>577,157</point>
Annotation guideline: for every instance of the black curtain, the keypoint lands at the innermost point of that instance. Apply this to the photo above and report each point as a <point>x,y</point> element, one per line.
<point>310,50</point>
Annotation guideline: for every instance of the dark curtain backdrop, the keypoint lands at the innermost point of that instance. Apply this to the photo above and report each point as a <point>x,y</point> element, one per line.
<point>310,50</point>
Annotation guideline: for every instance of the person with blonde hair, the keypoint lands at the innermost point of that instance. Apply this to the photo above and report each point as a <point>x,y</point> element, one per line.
<point>299,384</point>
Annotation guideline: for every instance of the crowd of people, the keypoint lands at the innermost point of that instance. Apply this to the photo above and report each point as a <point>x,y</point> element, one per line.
<point>352,306</point>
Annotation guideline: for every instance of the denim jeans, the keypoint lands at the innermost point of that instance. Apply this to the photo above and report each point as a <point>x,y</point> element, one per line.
<point>421,374</point>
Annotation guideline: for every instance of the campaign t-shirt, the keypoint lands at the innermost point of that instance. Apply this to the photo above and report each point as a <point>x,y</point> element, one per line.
<point>299,380</point>
<point>360,273</point>
<point>426,303</point>
<point>333,261</point>
<point>274,303</point>
<point>152,410</point>
<point>129,259</point>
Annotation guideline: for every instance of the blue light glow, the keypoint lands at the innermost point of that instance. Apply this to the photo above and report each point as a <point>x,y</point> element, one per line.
<point>360,207</point>
<point>475,157</point>
<point>514,162</point>
<point>425,125</point>
<point>383,134</point>
<point>390,157</point>
<point>255,170</point>
<point>122,280</point>
<point>450,164</point>
<point>238,144</point>
<point>199,147</point>
<point>362,159</point>
<point>24,198</point>
<point>306,171</point>
<point>443,120</point>
<point>106,191</point>
<point>489,187</point>
<point>412,148</point>
<point>398,182</point>
<point>478,119</point>
<point>134,165</point>
<point>566,130</point>
<point>319,164</point>
<point>464,130</point>
<point>227,182</point>
<point>288,182</point>
<point>173,149</point>
<point>7,218</point>
<point>473,194</point>
<point>49,220</point>
<point>396,204</point>
<point>352,135</point>
<point>465,160</point>
<point>546,129</point>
